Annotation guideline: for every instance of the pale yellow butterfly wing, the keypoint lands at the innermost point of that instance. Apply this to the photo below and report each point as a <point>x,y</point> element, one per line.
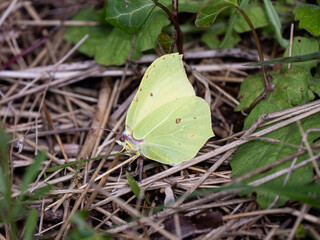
<point>176,131</point>
<point>166,122</point>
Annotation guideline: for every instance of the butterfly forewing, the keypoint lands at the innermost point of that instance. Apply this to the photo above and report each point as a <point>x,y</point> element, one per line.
<point>164,81</point>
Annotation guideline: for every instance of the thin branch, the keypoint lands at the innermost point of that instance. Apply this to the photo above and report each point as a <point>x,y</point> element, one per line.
<point>176,27</point>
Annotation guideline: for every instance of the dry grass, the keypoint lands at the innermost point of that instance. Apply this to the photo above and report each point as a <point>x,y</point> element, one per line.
<point>52,96</point>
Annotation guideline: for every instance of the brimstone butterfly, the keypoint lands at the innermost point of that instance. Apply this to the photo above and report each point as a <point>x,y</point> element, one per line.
<point>166,121</point>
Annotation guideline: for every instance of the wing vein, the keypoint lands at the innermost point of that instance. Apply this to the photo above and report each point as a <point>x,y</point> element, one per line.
<point>164,146</point>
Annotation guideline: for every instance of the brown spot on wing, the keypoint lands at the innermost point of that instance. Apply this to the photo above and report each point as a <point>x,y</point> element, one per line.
<point>151,94</point>
<point>178,120</point>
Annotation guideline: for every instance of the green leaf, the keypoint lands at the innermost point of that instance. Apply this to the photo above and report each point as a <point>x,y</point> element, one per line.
<point>308,193</point>
<point>190,6</point>
<point>259,153</point>
<point>129,16</point>
<point>275,21</point>
<point>211,37</point>
<point>147,37</point>
<point>250,89</point>
<point>309,16</point>
<point>301,46</point>
<point>115,49</point>
<point>97,34</point>
<point>290,89</point>
<point>111,46</point>
<point>257,16</point>
<point>235,16</point>
<point>31,224</point>
<point>315,82</point>
<point>135,187</point>
<point>31,173</point>
<point>211,11</point>
<point>295,59</point>
<point>165,42</point>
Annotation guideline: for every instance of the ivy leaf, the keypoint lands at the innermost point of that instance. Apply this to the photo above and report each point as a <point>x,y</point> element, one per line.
<point>129,16</point>
<point>257,16</point>
<point>116,47</point>
<point>97,34</point>
<point>309,16</point>
<point>259,153</point>
<point>211,11</point>
<point>111,46</point>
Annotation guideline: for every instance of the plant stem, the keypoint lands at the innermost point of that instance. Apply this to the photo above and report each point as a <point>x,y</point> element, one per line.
<point>268,87</point>
<point>174,19</point>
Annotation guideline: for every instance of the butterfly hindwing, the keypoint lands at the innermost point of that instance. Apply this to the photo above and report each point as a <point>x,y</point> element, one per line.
<point>175,131</point>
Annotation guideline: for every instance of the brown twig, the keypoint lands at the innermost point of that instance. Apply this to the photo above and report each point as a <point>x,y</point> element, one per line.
<point>174,20</point>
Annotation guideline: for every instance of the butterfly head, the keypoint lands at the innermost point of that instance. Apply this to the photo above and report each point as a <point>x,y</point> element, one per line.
<point>129,143</point>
